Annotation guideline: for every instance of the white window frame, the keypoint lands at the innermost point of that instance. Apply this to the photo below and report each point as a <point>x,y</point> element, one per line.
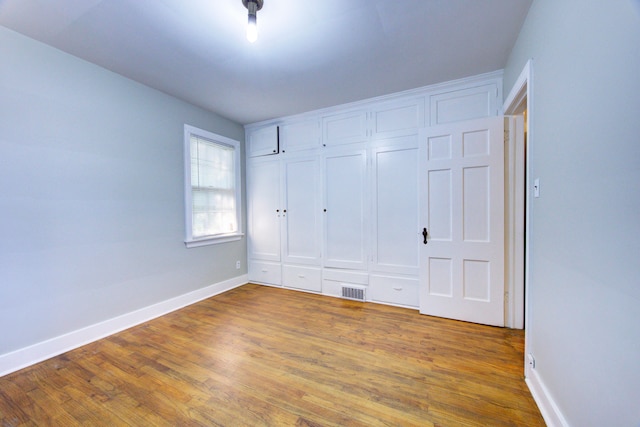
<point>190,241</point>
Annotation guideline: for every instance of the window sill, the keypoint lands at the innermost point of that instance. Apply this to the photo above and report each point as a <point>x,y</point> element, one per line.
<point>214,240</point>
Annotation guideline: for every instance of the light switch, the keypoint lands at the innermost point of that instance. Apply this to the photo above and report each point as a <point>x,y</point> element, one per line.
<point>536,187</point>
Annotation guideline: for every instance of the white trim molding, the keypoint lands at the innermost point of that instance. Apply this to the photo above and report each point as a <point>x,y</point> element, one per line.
<point>550,412</point>
<point>24,357</point>
<point>521,90</point>
<point>519,100</point>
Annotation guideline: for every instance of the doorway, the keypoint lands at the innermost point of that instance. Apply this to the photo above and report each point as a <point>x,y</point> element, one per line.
<point>517,106</point>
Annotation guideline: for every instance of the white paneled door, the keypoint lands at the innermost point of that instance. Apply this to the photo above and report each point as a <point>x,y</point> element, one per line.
<point>302,213</point>
<point>344,201</point>
<point>263,185</point>
<point>395,206</point>
<point>462,220</point>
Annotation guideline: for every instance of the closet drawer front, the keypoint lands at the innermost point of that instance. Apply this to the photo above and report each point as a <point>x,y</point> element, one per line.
<point>394,290</point>
<point>307,278</point>
<point>339,275</point>
<point>265,272</point>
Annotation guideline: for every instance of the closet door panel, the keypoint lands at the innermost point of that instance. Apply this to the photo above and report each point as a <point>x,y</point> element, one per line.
<point>345,238</point>
<point>263,188</point>
<point>301,238</point>
<point>395,216</point>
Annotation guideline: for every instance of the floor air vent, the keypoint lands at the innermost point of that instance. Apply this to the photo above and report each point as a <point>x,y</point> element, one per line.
<point>349,292</point>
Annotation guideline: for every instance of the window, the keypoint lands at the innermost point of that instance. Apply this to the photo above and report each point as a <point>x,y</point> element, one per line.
<point>212,188</point>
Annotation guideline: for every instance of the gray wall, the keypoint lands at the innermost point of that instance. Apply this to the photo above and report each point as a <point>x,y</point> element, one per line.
<point>584,306</point>
<point>91,195</point>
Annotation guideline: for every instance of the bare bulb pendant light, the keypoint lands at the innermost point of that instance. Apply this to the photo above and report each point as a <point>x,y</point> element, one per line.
<point>253,6</point>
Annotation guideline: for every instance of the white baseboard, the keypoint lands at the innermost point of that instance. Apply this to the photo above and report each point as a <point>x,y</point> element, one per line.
<point>27,356</point>
<point>548,408</point>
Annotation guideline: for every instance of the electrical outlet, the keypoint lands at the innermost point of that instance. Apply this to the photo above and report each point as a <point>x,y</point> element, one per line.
<point>237,265</point>
<point>531,361</point>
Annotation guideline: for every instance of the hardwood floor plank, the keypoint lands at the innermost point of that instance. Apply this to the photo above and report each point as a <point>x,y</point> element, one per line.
<point>263,356</point>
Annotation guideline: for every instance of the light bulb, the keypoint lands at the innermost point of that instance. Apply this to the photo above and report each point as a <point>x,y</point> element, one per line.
<point>252,27</point>
<point>252,31</point>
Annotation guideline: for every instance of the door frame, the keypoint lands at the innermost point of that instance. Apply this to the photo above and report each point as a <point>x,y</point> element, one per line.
<point>520,98</point>
<point>514,224</point>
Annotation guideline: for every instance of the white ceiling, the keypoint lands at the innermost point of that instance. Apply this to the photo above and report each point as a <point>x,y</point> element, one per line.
<point>309,54</point>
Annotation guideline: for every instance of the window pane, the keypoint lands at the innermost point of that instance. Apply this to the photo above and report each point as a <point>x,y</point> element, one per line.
<point>215,165</point>
<point>213,188</point>
<point>213,211</point>
<point>214,207</point>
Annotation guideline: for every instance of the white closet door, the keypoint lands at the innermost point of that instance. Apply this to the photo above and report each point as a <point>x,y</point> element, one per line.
<point>462,190</point>
<point>302,211</point>
<point>344,201</point>
<point>263,188</point>
<point>395,207</point>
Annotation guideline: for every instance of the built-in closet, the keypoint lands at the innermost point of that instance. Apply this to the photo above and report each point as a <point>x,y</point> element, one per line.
<point>333,195</point>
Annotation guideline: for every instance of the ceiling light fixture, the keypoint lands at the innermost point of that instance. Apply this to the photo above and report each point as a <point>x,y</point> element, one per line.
<point>253,6</point>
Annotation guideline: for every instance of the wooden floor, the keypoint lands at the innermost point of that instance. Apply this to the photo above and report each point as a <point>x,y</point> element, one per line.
<point>261,356</point>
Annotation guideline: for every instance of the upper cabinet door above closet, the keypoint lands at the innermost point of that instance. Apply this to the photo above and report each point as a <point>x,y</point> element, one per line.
<point>300,136</point>
<point>263,141</point>
<point>464,104</point>
<point>398,118</point>
<point>346,128</point>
